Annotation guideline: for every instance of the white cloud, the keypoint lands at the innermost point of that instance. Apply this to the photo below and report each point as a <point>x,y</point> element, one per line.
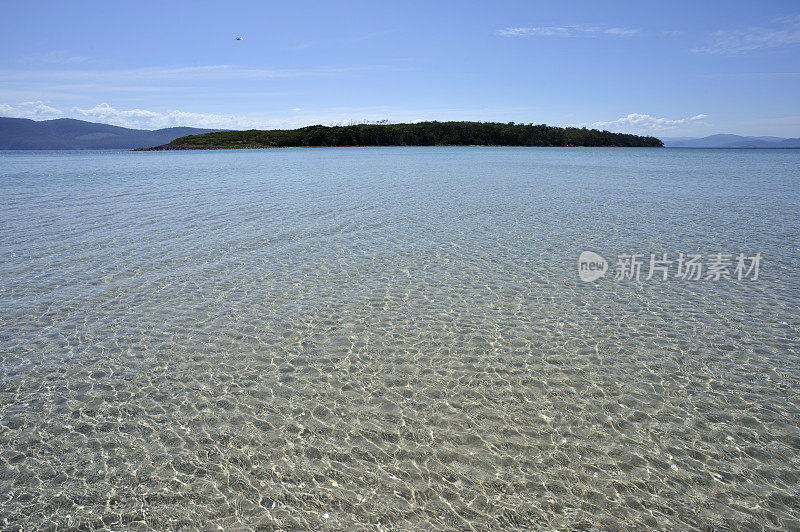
<point>545,31</point>
<point>641,123</point>
<point>570,30</point>
<point>34,110</point>
<point>144,119</point>
<point>297,117</point>
<point>147,119</point>
<point>784,31</point>
<point>133,118</point>
<point>621,31</point>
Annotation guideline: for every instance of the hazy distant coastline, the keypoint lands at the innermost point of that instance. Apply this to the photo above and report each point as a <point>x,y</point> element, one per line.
<point>731,141</point>
<point>70,134</point>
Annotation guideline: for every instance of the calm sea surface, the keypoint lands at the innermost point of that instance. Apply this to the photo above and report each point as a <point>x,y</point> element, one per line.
<point>397,338</point>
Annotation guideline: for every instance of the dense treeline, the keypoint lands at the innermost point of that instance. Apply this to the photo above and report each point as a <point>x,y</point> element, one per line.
<point>419,134</point>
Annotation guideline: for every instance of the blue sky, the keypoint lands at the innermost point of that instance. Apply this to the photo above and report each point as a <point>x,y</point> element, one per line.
<point>668,69</point>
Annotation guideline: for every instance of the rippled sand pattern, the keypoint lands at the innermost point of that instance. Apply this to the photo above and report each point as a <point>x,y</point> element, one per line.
<point>395,338</point>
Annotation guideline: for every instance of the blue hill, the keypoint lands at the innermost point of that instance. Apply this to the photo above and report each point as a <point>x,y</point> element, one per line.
<point>731,141</point>
<point>70,134</point>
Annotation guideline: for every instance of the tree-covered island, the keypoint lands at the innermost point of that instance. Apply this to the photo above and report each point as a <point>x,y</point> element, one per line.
<point>418,134</point>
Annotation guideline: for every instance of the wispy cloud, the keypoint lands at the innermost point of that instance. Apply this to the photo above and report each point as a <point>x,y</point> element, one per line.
<point>133,118</point>
<point>76,84</point>
<point>780,32</point>
<point>570,30</point>
<point>34,110</point>
<point>55,57</point>
<point>144,119</point>
<point>207,72</point>
<point>641,123</point>
<point>751,75</point>
<point>624,32</point>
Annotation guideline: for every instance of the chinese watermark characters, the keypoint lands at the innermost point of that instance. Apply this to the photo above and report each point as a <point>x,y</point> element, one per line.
<point>663,267</point>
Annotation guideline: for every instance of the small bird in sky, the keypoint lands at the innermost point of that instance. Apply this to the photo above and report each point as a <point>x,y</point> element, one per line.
<point>238,38</point>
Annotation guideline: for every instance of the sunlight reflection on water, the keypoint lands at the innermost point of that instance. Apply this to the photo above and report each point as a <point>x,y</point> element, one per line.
<point>398,337</point>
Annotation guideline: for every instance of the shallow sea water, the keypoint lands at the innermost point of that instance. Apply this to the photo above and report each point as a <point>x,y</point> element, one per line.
<point>396,338</point>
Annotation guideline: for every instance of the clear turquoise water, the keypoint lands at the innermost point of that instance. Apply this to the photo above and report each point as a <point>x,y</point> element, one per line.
<point>395,338</point>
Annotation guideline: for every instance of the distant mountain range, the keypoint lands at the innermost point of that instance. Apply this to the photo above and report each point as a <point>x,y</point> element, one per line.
<point>730,141</point>
<point>69,134</point>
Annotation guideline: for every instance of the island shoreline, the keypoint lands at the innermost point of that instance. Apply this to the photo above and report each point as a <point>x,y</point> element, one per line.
<point>212,148</point>
<point>415,134</point>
